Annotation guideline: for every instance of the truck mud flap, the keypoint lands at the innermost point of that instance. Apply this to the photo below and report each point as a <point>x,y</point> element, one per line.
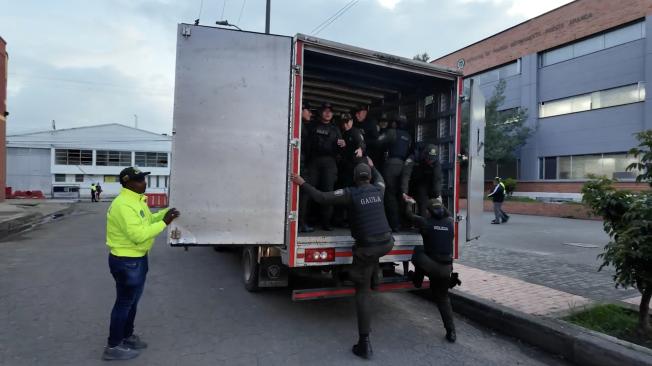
<point>335,292</point>
<point>272,272</point>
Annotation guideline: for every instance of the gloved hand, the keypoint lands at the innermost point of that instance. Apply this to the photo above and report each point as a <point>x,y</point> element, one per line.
<point>172,214</point>
<point>455,280</point>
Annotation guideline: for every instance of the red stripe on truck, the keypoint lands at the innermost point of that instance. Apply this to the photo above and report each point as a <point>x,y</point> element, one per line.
<point>294,190</point>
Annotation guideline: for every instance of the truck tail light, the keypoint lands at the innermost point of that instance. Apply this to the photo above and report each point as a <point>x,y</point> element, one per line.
<point>320,255</point>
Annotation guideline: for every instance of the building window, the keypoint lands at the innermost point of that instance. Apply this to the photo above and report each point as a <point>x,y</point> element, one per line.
<point>595,43</point>
<point>600,99</point>
<point>73,157</point>
<point>59,177</point>
<point>579,167</point>
<point>111,179</point>
<point>502,72</point>
<point>112,158</point>
<point>79,178</point>
<point>152,159</point>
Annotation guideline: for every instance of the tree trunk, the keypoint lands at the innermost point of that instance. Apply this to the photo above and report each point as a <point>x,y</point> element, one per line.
<point>644,311</point>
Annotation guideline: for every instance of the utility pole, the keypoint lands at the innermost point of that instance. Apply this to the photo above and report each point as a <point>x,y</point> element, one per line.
<point>267,11</point>
<point>135,120</point>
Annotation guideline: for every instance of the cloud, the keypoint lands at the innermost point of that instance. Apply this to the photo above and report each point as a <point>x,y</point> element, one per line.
<point>389,4</point>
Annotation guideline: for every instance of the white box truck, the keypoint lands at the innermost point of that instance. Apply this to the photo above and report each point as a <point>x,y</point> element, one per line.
<point>236,139</point>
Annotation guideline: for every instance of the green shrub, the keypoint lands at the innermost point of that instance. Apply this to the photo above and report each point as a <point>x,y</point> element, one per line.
<point>510,185</point>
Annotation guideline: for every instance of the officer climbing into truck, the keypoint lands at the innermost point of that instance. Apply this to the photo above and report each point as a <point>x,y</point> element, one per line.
<point>422,176</point>
<point>435,257</point>
<point>372,234</point>
<point>325,144</point>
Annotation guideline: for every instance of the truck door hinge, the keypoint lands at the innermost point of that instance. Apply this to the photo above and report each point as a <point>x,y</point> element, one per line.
<point>292,216</point>
<point>185,30</point>
<point>459,218</point>
<point>294,142</point>
<point>296,68</point>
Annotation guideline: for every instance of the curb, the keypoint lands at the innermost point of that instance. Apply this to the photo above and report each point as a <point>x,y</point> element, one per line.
<point>575,344</point>
<point>23,223</point>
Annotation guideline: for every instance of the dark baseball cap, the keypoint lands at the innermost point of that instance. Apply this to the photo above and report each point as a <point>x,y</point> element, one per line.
<point>305,106</point>
<point>362,171</point>
<point>131,173</point>
<point>325,106</point>
<point>362,107</point>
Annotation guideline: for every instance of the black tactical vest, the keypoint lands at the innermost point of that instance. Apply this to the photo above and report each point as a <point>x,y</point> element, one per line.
<point>367,213</point>
<point>324,139</point>
<point>438,237</point>
<point>401,146</point>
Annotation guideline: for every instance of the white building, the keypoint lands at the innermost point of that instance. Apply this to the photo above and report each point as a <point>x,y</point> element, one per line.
<point>77,157</point>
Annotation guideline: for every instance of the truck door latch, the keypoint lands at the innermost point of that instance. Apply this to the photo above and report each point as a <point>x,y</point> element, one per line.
<point>294,142</point>
<point>292,216</point>
<point>296,68</point>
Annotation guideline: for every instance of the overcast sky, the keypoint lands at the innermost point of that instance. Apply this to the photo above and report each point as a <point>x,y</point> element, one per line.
<point>101,61</point>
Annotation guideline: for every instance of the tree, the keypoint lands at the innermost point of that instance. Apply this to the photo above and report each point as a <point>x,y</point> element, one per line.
<point>504,132</point>
<point>421,57</point>
<point>628,221</point>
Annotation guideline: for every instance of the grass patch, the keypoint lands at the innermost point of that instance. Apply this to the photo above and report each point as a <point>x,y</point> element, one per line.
<point>613,320</point>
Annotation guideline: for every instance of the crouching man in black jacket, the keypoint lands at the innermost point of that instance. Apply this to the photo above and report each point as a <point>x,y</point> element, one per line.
<point>435,258</point>
<point>372,234</point>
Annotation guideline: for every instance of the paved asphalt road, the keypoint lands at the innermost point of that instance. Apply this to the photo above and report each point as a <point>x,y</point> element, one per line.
<point>56,294</point>
<point>554,252</point>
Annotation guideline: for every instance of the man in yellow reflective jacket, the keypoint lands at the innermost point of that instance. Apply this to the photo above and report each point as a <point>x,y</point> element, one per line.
<point>130,232</point>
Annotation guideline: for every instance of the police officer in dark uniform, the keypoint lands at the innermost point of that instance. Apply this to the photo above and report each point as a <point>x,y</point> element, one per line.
<point>399,144</point>
<point>306,126</point>
<point>369,130</point>
<point>355,151</point>
<point>372,234</point>
<point>325,144</point>
<point>422,176</point>
<point>435,258</point>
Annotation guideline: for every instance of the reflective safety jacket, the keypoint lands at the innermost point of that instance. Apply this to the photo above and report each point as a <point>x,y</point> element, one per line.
<point>130,226</point>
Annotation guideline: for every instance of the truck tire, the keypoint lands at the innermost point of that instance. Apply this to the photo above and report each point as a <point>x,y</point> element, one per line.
<point>250,268</point>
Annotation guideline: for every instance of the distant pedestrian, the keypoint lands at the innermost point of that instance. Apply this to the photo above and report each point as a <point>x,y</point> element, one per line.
<point>498,196</point>
<point>93,192</point>
<point>98,191</point>
<point>130,232</point>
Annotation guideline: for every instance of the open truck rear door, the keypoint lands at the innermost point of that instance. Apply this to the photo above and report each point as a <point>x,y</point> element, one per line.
<point>475,193</point>
<point>231,137</point>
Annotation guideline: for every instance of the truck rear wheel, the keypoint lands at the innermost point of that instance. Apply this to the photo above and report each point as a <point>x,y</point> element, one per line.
<point>250,268</point>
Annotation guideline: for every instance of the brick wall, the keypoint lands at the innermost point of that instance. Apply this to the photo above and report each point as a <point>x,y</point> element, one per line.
<point>575,211</point>
<point>573,21</point>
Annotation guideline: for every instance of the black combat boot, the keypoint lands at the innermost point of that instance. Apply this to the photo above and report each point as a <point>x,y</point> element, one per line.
<point>451,336</point>
<point>363,348</point>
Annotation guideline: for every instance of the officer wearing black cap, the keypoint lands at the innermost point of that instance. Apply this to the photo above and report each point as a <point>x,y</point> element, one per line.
<point>325,144</point>
<point>355,151</point>
<point>435,258</point>
<point>399,146</point>
<point>372,234</point>
<point>422,176</point>
<point>369,129</point>
<point>306,126</point>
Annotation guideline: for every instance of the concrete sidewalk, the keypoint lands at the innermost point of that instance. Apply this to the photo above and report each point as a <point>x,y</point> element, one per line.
<point>19,214</point>
<point>523,296</point>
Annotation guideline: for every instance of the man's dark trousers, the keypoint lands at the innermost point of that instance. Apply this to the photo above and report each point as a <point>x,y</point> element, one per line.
<point>365,262</point>
<point>392,174</point>
<point>439,275</point>
<point>129,274</point>
<point>323,175</point>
